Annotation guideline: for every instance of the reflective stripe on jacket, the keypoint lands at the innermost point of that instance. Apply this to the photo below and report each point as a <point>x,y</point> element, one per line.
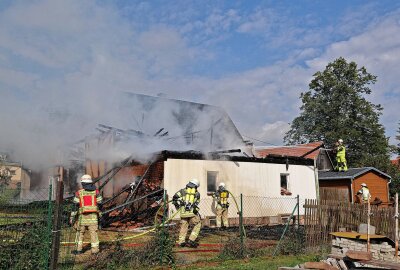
<point>88,200</point>
<point>341,151</point>
<point>88,206</point>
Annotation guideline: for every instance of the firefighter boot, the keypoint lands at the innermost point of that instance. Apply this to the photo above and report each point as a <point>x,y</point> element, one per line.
<point>192,244</point>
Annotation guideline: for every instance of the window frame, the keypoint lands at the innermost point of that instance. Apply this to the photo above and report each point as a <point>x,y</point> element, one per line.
<point>216,173</point>
<point>288,188</point>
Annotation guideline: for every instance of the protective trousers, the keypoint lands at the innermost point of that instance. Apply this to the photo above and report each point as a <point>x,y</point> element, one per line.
<point>196,222</point>
<point>341,163</point>
<point>222,215</point>
<point>94,239</point>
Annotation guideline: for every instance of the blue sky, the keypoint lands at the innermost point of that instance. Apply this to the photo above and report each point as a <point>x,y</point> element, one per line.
<point>253,58</point>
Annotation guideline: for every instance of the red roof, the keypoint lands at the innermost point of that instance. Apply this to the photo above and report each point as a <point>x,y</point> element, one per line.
<point>396,161</point>
<point>308,150</point>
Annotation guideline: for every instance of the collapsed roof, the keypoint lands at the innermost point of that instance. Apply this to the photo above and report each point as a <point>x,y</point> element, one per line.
<point>201,125</point>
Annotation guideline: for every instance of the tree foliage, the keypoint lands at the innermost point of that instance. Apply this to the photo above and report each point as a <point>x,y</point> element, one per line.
<point>335,107</point>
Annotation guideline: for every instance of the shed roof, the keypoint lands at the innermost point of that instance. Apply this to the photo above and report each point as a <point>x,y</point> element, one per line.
<point>351,173</point>
<point>307,150</point>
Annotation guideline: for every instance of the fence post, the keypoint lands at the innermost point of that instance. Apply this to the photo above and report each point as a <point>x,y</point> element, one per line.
<point>368,224</point>
<point>298,210</point>
<point>56,232</point>
<point>241,226</point>
<point>162,228</point>
<point>396,216</point>
<point>49,226</point>
<point>298,222</point>
<point>284,230</point>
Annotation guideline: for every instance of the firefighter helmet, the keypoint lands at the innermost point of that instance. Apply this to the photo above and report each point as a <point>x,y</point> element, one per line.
<point>363,185</point>
<point>195,182</point>
<point>86,179</point>
<point>222,184</point>
<point>340,140</point>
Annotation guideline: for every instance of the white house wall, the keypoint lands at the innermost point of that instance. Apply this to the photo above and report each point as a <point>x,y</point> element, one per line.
<point>258,182</point>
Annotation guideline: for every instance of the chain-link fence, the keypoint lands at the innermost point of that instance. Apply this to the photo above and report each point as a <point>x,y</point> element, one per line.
<point>25,228</point>
<point>30,238</point>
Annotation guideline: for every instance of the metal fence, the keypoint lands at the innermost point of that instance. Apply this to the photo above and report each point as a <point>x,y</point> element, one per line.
<point>25,231</point>
<point>35,233</point>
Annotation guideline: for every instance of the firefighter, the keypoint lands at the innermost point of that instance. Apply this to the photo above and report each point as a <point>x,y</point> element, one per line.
<point>187,200</point>
<point>88,198</point>
<point>341,164</point>
<point>364,192</point>
<point>222,195</point>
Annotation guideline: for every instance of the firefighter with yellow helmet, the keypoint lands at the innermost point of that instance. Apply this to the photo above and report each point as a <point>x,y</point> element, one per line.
<point>221,196</point>
<point>88,198</point>
<point>187,201</point>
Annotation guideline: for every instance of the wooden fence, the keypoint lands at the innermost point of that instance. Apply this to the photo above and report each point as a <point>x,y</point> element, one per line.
<point>323,217</point>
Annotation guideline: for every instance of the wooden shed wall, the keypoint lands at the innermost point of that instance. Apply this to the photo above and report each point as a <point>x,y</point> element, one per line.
<point>335,189</point>
<point>378,186</point>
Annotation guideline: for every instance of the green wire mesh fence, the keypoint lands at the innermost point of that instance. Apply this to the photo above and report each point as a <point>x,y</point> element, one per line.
<point>25,228</point>
<point>256,224</point>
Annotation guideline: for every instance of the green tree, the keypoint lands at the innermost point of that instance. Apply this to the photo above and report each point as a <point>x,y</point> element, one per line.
<point>335,107</point>
<point>398,138</point>
<point>394,169</point>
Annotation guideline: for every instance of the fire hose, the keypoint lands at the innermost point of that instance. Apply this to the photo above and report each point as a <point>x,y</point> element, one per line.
<point>156,224</point>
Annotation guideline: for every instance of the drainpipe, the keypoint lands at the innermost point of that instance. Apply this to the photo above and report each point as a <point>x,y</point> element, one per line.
<point>351,191</point>
<point>316,179</point>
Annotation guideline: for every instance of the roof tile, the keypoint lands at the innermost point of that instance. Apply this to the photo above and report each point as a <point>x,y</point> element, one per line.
<point>308,150</point>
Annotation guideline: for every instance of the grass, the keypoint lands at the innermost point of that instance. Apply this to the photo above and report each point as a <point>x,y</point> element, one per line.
<point>9,219</point>
<point>255,263</point>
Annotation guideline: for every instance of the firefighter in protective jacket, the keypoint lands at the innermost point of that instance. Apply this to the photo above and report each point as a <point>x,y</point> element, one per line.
<point>88,199</point>
<point>187,200</point>
<point>341,163</point>
<point>222,195</point>
<point>364,192</point>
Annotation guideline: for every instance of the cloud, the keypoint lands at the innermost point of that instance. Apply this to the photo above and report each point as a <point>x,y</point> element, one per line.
<point>378,49</point>
<point>259,21</point>
<point>63,69</point>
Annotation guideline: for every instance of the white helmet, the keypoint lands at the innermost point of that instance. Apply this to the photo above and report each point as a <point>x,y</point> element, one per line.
<point>195,182</point>
<point>340,140</point>
<point>86,179</point>
<point>363,185</point>
<point>222,184</point>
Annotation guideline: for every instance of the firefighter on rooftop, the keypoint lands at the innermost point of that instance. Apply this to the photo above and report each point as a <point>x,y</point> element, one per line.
<point>88,198</point>
<point>187,200</point>
<point>341,164</point>
<point>222,195</point>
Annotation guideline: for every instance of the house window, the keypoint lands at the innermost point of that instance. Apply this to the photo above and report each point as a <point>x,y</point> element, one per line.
<point>285,187</point>
<point>212,181</point>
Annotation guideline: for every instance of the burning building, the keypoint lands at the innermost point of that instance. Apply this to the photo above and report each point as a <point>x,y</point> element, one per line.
<point>173,142</point>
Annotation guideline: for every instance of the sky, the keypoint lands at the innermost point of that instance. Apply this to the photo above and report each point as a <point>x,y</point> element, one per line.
<point>61,60</point>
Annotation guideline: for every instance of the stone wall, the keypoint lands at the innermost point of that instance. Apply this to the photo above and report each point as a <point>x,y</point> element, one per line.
<point>380,250</point>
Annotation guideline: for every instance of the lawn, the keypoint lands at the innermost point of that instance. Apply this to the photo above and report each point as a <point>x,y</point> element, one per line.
<point>252,263</point>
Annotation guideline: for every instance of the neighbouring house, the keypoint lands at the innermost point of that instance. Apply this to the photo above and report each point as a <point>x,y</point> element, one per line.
<point>315,151</point>
<point>396,161</point>
<point>343,186</point>
<point>18,176</point>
